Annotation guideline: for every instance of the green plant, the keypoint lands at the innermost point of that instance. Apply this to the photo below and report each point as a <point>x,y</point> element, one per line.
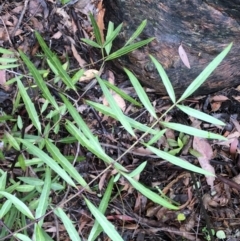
<point>53,170</point>
<point>206,233</point>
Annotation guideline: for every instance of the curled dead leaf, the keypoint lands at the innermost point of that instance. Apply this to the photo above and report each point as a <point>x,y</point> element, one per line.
<point>202,146</point>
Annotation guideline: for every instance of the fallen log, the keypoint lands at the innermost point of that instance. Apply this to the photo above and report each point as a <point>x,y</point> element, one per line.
<point>204,28</point>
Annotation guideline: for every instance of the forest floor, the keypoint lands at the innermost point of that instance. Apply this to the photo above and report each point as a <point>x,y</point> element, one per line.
<point>133,215</point>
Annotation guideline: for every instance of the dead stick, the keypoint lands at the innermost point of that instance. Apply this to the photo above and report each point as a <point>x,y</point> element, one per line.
<point>21,17</point>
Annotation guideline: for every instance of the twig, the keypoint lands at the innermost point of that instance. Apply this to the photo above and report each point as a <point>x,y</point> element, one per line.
<point>21,17</point>
<point>9,39</point>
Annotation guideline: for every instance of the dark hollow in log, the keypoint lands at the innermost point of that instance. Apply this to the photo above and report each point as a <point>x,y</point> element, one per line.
<point>204,28</point>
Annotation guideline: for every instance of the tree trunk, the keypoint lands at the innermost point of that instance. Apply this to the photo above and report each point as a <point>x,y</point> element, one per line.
<point>204,28</point>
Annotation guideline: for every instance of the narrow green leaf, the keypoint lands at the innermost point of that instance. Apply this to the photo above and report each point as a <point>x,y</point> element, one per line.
<point>6,117</point>
<point>96,29</point>
<point>108,111</point>
<point>8,66</point>
<point>44,197</point>
<point>165,79</point>
<point>97,229</point>
<point>77,76</point>
<point>18,204</point>
<point>77,118</point>
<point>32,113</point>
<point>115,108</point>
<point>141,93</point>
<point>127,49</point>
<point>12,141</point>
<point>22,237</point>
<point>5,51</point>
<point>195,153</point>
<point>5,208</point>
<point>25,188</point>
<point>93,147</point>
<point>55,62</point>
<point>8,60</point>
<point>110,29</point>
<point>67,166</point>
<point>149,194</point>
<point>200,115</point>
<point>112,36</point>
<point>91,43</point>
<point>3,180</point>
<point>193,131</point>
<point>156,137</point>
<point>39,80</point>
<point>38,233</point>
<point>174,152</point>
<point>48,160</point>
<point>68,225</point>
<point>31,180</point>
<point>178,161</point>
<point>122,93</point>
<point>137,32</point>
<point>138,170</point>
<point>108,228</point>
<point>205,73</point>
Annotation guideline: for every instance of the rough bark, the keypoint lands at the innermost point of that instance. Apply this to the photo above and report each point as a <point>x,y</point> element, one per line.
<point>203,27</point>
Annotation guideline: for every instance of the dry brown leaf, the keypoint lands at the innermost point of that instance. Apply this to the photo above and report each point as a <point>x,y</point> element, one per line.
<point>219,98</point>
<point>142,150</point>
<point>100,19</point>
<point>237,98</point>
<point>17,9</point>
<point>206,199</point>
<point>152,211</point>
<point>88,75</point>
<point>230,139</point>
<point>35,8</point>
<point>236,124</point>
<point>170,134</point>
<point>36,24</point>
<point>233,148</point>
<point>2,77</point>
<point>102,181</point>
<point>215,106</point>
<point>183,56</point>
<point>133,226</point>
<point>236,179</point>
<point>120,101</point>
<point>79,59</point>
<point>204,148</point>
<point>57,35</point>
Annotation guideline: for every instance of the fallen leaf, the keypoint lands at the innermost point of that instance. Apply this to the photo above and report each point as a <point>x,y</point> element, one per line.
<point>237,98</point>
<point>204,148</point>
<point>233,148</point>
<point>151,211</point>
<point>100,19</point>
<point>215,106</point>
<point>88,75</point>
<point>219,98</point>
<point>79,59</point>
<point>2,77</point>
<point>183,56</point>
<point>57,35</point>
<point>236,124</point>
